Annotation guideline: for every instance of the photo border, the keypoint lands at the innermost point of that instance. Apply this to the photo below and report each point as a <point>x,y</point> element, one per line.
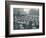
<point>7,17</point>
<point>25,30</point>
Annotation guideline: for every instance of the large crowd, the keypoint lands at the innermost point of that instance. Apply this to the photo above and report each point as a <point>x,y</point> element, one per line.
<point>26,22</point>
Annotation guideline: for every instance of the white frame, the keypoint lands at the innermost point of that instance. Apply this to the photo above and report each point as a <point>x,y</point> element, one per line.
<point>25,31</point>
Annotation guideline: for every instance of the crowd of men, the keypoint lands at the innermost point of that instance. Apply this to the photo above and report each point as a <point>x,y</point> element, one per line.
<point>26,22</point>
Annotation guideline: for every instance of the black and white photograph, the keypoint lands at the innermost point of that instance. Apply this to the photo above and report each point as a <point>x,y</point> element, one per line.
<point>24,19</point>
